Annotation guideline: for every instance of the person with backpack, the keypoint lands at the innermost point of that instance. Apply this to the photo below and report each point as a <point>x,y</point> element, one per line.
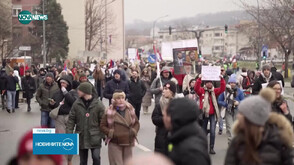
<point>248,83</point>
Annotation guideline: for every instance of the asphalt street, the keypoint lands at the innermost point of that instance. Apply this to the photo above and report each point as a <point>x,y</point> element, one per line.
<point>14,125</point>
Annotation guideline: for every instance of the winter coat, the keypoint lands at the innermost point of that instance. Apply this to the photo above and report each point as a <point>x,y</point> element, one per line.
<point>11,83</point>
<point>278,75</point>
<point>222,100</point>
<point>201,92</point>
<point>161,132</point>
<point>123,132</point>
<point>155,86</point>
<point>69,97</point>
<point>146,101</point>
<point>276,108</point>
<point>187,142</point>
<point>114,84</point>
<point>275,147</point>
<point>44,93</point>
<point>3,81</point>
<point>28,86</point>
<point>259,81</point>
<point>137,90</point>
<point>40,80</point>
<point>86,122</point>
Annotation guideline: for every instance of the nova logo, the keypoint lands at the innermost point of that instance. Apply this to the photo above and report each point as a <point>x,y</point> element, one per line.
<point>67,144</point>
<point>25,17</point>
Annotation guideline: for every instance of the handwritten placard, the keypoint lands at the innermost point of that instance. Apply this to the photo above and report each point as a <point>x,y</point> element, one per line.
<point>211,73</point>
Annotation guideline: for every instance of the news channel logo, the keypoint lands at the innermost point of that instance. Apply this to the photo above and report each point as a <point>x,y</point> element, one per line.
<point>25,17</point>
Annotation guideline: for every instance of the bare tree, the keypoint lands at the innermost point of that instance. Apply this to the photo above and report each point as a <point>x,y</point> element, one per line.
<point>5,26</point>
<point>277,18</point>
<point>98,20</point>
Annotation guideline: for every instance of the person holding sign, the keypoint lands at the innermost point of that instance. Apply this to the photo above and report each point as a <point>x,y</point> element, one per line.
<point>280,105</point>
<point>208,104</point>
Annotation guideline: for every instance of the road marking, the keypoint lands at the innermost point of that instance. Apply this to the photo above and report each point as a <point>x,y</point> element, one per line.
<point>143,148</point>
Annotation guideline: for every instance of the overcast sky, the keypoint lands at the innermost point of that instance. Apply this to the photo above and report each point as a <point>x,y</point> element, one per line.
<point>149,10</point>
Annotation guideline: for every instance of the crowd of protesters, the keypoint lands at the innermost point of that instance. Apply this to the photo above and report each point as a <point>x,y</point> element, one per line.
<point>70,101</point>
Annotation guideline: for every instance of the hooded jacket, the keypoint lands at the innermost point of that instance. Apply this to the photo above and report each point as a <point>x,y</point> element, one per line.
<point>69,97</point>
<point>155,86</point>
<point>259,81</point>
<point>187,141</point>
<point>114,84</point>
<point>277,75</point>
<point>275,147</point>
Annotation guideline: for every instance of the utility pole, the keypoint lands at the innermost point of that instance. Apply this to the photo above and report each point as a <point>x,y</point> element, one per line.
<point>259,35</point>
<point>44,38</point>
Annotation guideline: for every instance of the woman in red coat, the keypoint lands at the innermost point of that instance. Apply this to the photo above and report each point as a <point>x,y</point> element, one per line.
<point>208,104</point>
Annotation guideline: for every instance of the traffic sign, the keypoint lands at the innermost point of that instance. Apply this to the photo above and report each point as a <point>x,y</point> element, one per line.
<point>152,58</point>
<point>25,48</point>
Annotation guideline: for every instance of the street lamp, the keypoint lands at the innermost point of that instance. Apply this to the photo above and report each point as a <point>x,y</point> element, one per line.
<point>155,23</point>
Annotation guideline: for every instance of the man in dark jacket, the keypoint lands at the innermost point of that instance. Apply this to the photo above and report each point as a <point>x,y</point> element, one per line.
<point>116,83</point>
<point>43,96</point>
<point>187,141</point>
<point>29,88</point>
<point>278,75</point>
<point>265,77</point>
<point>40,78</point>
<point>11,91</point>
<point>3,87</point>
<point>137,92</point>
<point>65,97</point>
<point>85,116</point>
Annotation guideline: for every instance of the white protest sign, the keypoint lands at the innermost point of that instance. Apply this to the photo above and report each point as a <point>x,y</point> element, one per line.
<point>132,52</point>
<point>264,85</point>
<point>211,73</point>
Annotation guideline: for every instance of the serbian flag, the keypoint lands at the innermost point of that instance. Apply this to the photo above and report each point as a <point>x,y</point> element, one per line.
<point>138,57</point>
<point>111,64</point>
<point>64,66</point>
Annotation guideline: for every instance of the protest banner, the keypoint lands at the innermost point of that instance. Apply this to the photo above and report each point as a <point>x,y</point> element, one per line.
<point>210,73</point>
<point>183,58</point>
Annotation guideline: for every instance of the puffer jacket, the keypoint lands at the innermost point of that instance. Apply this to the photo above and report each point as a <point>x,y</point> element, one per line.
<point>275,147</point>
<point>86,121</point>
<point>44,93</point>
<point>69,97</point>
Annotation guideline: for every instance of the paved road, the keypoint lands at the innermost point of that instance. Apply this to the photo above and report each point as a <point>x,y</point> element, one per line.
<point>13,126</point>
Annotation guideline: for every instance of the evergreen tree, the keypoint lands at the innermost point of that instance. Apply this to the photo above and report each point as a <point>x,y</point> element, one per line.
<point>56,31</point>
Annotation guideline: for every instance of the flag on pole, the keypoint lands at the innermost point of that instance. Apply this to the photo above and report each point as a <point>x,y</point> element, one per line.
<point>111,64</point>
<point>110,36</point>
<point>159,54</point>
<point>138,57</point>
<point>64,66</point>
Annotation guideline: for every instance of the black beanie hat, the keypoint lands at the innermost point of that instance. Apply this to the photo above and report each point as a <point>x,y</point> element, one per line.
<point>171,86</point>
<point>117,71</point>
<point>75,84</point>
<point>182,111</point>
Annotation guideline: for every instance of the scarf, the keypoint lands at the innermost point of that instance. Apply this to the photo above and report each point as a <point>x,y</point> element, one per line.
<point>112,111</point>
<point>163,102</point>
<point>265,78</point>
<point>206,104</point>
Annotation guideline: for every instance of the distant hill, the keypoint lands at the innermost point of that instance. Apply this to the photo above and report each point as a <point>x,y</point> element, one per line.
<point>140,27</point>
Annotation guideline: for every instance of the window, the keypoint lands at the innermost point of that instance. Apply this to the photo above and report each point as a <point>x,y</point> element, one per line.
<point>16,10</point>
